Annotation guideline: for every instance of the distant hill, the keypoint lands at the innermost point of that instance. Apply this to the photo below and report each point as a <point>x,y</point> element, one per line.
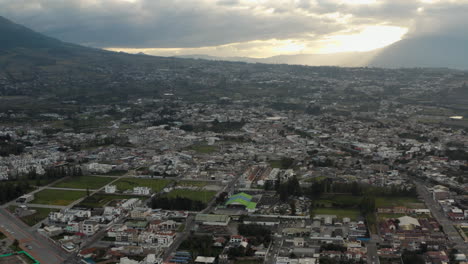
<point>430,51</point>
<point>345,59</point>
<point>17,36</point>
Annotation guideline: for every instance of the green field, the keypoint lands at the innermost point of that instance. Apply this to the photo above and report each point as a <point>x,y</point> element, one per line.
<point>340,213</point>
<point>128,183</point>
<point>57,197</point>
<point>315,179</point>
<point>100,199</point>
<point>204,149</point>
<point>41,214</point>
<point>192,183</point>
<point>202,196</point>
<point>340,200</point>
<point>409,202</point>
<point>83,182</point>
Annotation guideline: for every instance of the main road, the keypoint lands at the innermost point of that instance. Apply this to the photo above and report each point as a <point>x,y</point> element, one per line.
<point>446,223</point>
<point>40,247</point>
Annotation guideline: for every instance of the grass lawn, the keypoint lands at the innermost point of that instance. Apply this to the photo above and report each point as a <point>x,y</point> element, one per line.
<point>340,213</point>
<point>41,214</point>
<point>409,202</point>
<point>465,230</point>
<point>276,164</point>
<point>83,182</point>
<point>315,179</point>
<point>205,149</point>
<point>203,196</point>
<point>341,200</point>
<point>100,200</point>
<point>192,183</point>
<point>128,183</point>
<point>57,197</point>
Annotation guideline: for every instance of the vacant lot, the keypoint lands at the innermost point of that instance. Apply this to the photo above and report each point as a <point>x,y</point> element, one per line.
<point>100,199</point>
<point>340,213</point>
<point>83,182</point>
<point>409,202</point>
<point>340,201</point>
<point>202,196</point>
<point>192,183</point>
<point>57,197</point>
<point>128,183</point>
<point>41,214</point>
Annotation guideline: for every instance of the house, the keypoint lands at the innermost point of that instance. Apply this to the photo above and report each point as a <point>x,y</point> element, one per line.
<point>141,190</point>
<point>299,242</point>
<point>408,223</point>
<point>165,238</point>
<point>127,235</point>
<point>110,188</point>
<point>113,230</point>
<point>140,212</point>
<point>205,260</point>
<point>89,227</point>
<point>237,239</point>
<point>53,230</point>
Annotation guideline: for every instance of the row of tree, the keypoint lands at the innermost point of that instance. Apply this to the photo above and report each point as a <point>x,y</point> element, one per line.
<point>12,190</point>
<point>178,203</point>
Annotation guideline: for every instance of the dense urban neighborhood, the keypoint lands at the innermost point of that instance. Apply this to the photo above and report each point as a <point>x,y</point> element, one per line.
<point>332,166</point>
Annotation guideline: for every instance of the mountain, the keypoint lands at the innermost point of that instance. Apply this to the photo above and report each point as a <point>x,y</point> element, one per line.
<point>17,36</point>
<point>428,51</point>
<point>345,59</point>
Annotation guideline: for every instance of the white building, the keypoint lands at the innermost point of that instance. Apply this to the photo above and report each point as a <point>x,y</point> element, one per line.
<point>89,228</point>
<point>141,190</point>
<point>110,188</point>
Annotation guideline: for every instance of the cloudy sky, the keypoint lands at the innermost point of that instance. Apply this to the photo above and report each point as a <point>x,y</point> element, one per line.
<point>252,28</point>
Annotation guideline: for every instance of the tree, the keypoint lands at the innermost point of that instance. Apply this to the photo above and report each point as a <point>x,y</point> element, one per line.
<point>293,208</point>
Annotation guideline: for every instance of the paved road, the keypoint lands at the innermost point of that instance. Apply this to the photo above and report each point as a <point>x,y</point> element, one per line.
<point>440,216</point>
<point>42,249</point>
<point>70,189</point>
<point>372,255</point>
<point>41,205</point>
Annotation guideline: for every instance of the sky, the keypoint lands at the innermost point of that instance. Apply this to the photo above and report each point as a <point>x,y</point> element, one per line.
<point>244,28</point>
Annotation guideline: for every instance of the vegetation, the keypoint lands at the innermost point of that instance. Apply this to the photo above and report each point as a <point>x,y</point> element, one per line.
<point>410,202</point>
<point>202,196</point>
<point>129,183</point>
<point>12,190</point>
<point>200,246</point>
<point>204,149</point>
<point>284,163</point>
<point>258,234</point>
<point>38,216</point>
<point>192,183</point>
<point>340,213</point>
<point>83,182</point>
<point>177,203</point>
<point>57,197</point>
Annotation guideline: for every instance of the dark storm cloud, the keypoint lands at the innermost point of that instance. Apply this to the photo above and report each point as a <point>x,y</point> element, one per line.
<point>186,23</point>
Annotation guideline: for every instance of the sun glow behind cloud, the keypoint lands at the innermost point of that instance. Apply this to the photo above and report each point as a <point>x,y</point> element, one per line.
<point>370,38</point>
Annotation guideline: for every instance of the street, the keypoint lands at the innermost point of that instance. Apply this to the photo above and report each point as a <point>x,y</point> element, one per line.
<point>447,224</point>
<point>41,248</point>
